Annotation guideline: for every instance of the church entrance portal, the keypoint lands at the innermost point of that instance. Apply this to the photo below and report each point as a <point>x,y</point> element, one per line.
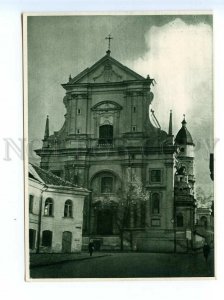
<point>104,222</point>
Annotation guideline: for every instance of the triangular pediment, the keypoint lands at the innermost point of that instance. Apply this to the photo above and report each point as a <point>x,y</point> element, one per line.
<point>106,70</point>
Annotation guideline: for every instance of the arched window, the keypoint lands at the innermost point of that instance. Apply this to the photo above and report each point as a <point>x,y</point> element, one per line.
<point>155,203</point>
<point>106,134</point>
<point>68,209</point>
<point>180,220</point>
<point>47,238</point>
<point>48,207</point>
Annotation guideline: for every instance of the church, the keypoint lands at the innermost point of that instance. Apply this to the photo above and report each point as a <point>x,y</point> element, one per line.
<point>140,177</point>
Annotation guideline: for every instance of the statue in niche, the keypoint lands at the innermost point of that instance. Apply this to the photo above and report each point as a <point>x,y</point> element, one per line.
<point>182,170</point>
<point>75,179</point>
<point>151,80</point>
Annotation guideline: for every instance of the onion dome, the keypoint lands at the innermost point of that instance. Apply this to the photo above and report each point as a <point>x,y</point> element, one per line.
<point>183,136</point>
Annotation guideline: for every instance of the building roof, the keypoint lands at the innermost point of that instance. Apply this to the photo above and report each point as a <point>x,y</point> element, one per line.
<point>183,136</point>
<point>48,178</point>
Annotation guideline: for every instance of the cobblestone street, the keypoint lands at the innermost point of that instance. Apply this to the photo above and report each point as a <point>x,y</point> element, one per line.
<point>127,265</point>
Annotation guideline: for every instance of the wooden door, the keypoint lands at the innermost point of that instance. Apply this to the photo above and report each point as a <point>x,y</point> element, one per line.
<point>105,222</point>
<point>66,242</point>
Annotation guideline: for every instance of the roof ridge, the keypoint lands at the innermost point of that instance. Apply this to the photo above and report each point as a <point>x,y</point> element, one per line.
<point>36,176</point>
<point>47,172</point>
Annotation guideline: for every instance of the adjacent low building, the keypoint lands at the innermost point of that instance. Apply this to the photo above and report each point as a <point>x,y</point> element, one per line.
<point>55,213</point>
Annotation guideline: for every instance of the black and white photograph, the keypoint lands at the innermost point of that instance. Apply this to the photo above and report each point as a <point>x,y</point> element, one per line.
<point>118,115</point>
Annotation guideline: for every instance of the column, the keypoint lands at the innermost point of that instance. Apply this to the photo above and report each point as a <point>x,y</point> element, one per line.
<point>72,127</point>
<point>124,113</point>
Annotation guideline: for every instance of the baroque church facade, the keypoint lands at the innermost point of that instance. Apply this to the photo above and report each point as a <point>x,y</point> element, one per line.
<point>109,145</point>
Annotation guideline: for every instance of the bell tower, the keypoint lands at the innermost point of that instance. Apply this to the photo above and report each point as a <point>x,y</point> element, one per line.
<point>184,202</point>
<point>185,156</point>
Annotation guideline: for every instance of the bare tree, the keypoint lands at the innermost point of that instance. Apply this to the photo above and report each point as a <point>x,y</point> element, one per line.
<point>128,208</point>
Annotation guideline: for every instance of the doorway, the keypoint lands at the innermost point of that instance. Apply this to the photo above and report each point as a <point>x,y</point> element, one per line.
<point>66,242</point>
<point>32,238</point>
<point>105,222</point>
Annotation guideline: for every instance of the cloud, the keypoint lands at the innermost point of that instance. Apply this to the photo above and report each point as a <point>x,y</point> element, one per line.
<point>179,57</point>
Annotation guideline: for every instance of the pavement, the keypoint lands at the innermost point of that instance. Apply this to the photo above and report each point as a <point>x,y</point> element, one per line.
<point>47,259</point>
<point>125,265</point>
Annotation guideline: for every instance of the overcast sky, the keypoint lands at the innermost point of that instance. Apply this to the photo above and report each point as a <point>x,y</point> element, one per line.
<point>175,50</point>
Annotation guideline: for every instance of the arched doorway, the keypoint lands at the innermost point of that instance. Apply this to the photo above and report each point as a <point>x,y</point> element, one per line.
<point>66,242</point>
<point>106,192</point>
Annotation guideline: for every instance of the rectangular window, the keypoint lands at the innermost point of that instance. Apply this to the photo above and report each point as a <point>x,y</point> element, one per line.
<point>134,129</point>
<point>78,111</point>
<point>78,131</point>
<point>106,185</point>
<point>155,203</point>
<point>155,176</point>
<point>31,197</point>
<point>155,222</point>
<point>134,109</point>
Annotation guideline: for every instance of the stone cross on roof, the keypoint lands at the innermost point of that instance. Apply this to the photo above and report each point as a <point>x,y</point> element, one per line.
<point>109,37</point>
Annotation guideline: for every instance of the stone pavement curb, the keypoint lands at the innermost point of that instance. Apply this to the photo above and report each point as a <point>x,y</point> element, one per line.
<point>43,264</point>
